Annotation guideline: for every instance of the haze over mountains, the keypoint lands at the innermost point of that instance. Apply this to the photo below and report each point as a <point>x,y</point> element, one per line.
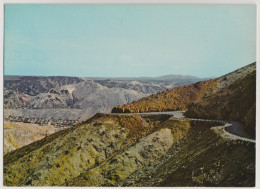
<point>79,98</point>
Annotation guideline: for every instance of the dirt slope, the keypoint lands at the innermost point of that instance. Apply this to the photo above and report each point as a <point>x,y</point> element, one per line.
<point>18,134</point>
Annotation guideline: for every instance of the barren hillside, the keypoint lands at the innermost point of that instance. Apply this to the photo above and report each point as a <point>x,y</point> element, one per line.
<point>230,97</point>
<point>18,134</point>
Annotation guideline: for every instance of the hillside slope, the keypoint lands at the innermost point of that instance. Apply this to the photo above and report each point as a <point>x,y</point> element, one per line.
<point>201,158</point>
<point>235,102</point>
<point>67,153</point>
<point>170,100</point>
<point>230,97</point>
<point>124,150</point>
<point>18,134</point>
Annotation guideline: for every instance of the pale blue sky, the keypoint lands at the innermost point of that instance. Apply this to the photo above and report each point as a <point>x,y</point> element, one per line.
<point>128,40</point>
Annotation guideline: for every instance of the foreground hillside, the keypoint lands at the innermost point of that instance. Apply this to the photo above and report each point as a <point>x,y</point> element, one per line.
<point>133,150</point>
<point>230,97</point>
<point>18,134</point>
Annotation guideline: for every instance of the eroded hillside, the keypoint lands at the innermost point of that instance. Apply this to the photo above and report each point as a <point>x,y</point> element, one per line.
<point>122,150</point>
<point>170,100</point>
<point>235,102</point>
<point>230,97</point>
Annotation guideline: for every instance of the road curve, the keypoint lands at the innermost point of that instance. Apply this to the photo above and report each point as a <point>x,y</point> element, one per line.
<point>229,129</point>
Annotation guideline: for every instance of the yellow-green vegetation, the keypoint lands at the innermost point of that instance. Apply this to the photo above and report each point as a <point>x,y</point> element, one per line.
<point>142,154</point>
<point>11,139</point>
<point>9,125</point>
<point>63,156</point>
<point>125,150</point>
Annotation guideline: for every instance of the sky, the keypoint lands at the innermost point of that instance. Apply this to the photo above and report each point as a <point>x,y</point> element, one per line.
<point>128,40</point>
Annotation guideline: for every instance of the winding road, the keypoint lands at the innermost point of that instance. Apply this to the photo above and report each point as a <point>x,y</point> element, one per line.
<point>229,129</point>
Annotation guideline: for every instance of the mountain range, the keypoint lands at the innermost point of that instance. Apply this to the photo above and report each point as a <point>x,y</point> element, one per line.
<point>76,98</point>
<point>133,149</point>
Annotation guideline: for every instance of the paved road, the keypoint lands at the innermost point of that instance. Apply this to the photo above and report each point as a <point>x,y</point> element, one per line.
<point>177,114</point>
<point>222,131</point>
<point>237,129</point>
<point>230,129</point>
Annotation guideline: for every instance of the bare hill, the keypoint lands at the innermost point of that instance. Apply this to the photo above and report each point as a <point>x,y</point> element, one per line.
<point>230,97</point>
<point>18,134</point>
